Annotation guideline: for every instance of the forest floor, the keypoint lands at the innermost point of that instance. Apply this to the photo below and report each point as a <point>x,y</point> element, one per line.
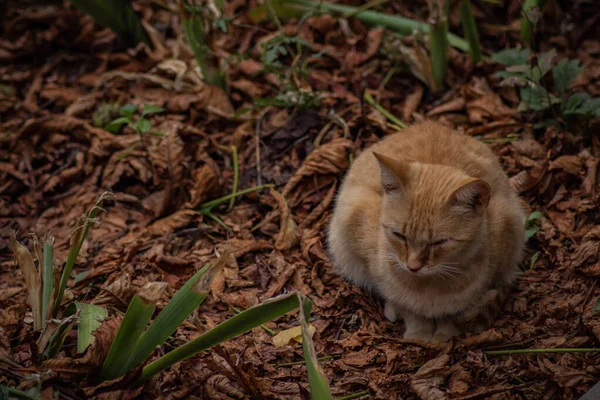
<point>57,70</point>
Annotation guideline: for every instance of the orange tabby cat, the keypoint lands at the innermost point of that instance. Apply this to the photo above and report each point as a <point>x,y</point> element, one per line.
<point>427,219</point>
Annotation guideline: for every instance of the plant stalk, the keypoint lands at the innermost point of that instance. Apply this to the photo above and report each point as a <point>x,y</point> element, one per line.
<point>532,351</point>
<point>470,27</point>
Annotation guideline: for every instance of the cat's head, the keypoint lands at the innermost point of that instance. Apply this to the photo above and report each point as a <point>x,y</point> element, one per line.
<point>432,216</point>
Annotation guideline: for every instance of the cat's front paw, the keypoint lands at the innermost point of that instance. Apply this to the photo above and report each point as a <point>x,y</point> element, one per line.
<point>420,335</point>
<point>389,311</point>
<point>419,329</point>
<point>444,332</point>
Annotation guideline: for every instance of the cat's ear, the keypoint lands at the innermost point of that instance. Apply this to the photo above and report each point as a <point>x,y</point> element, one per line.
<point>473,196</point>
<point>392,173</point>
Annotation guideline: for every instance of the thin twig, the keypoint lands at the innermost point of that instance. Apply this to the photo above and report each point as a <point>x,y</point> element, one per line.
<point>529,351</point>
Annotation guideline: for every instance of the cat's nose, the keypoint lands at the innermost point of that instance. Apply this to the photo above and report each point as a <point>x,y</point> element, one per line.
<point>413,268</point>
<point>413,263</point>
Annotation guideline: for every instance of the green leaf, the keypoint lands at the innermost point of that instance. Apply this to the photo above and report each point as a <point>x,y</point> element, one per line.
<point>534,259</point>
<point>194,31</point>
<point>512,56</point>
<point>534,216</point>
<point>187,299</point>
<point>581,104</point>
<point>242,322</point>
<point>564,73</point>
<point>470,27</point>
<point>128,110</point>
<point>143,125</point>
<point>90,319</point>
<point>536,98</point>
<point>596,306</point>
<point>544,62</point>
<point>529,233</point>
<point>48,277</point>
<point>151,109</point>
<point>135,321</point>
<point>116,15</point>
<point>319,387</point>
<point>115,125</point>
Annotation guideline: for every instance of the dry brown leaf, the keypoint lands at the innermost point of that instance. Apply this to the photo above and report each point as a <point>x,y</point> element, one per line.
<point>426,382</point>
<point>488,337</point>
<point>565,376</point>
<point>330,158</point>
<point>459,381</point>
<point>205,181</point>
<point>168,224</point>
<point>483,103</point>
<point>411,103</point>
<point>571,164</point>
<point>288,235</point>
<point>33,279</point>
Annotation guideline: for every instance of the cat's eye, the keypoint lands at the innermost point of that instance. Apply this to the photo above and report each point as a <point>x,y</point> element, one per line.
<point>399,235</point>
<point>438,242</point>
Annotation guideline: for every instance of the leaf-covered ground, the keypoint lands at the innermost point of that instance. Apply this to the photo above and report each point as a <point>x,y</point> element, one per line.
<point>57,70</point>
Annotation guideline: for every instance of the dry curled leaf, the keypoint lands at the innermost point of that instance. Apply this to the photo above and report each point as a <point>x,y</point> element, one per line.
<point>330,158</point>
<point>427,381</point>
<point>283,338</point>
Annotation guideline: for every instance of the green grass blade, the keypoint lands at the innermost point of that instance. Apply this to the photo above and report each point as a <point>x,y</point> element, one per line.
<point>8,392</point>
<point>187,299</point>
<point>470,27</point>
<point>369,99</point>
<point>116,15</point>
<point>236,175</point>
<point>438,41</point>
<point>90,318</point>
<point>222,200</point>
<point>48,276</point>
<point>79,235</point>
<point>527,23</point>
<point>242,322</point>
<point>194,31</point>
<point>298,8</point>
<point>319,387</point>
<point>134,323</point>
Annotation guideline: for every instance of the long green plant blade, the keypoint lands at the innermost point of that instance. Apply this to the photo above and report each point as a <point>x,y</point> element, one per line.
<point>528,20</point>
<point>116,15</point>
<point>438,41</point>
<point>468,23</point>
<point>78,237</point>
<point>48,276</point>
<point>194,31</point>
<point>187,299</point>
<point>90,319</point>
<point>298,8</point>
<point>134,323</point>
<point>242,322</point>
<point>319,387</point>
